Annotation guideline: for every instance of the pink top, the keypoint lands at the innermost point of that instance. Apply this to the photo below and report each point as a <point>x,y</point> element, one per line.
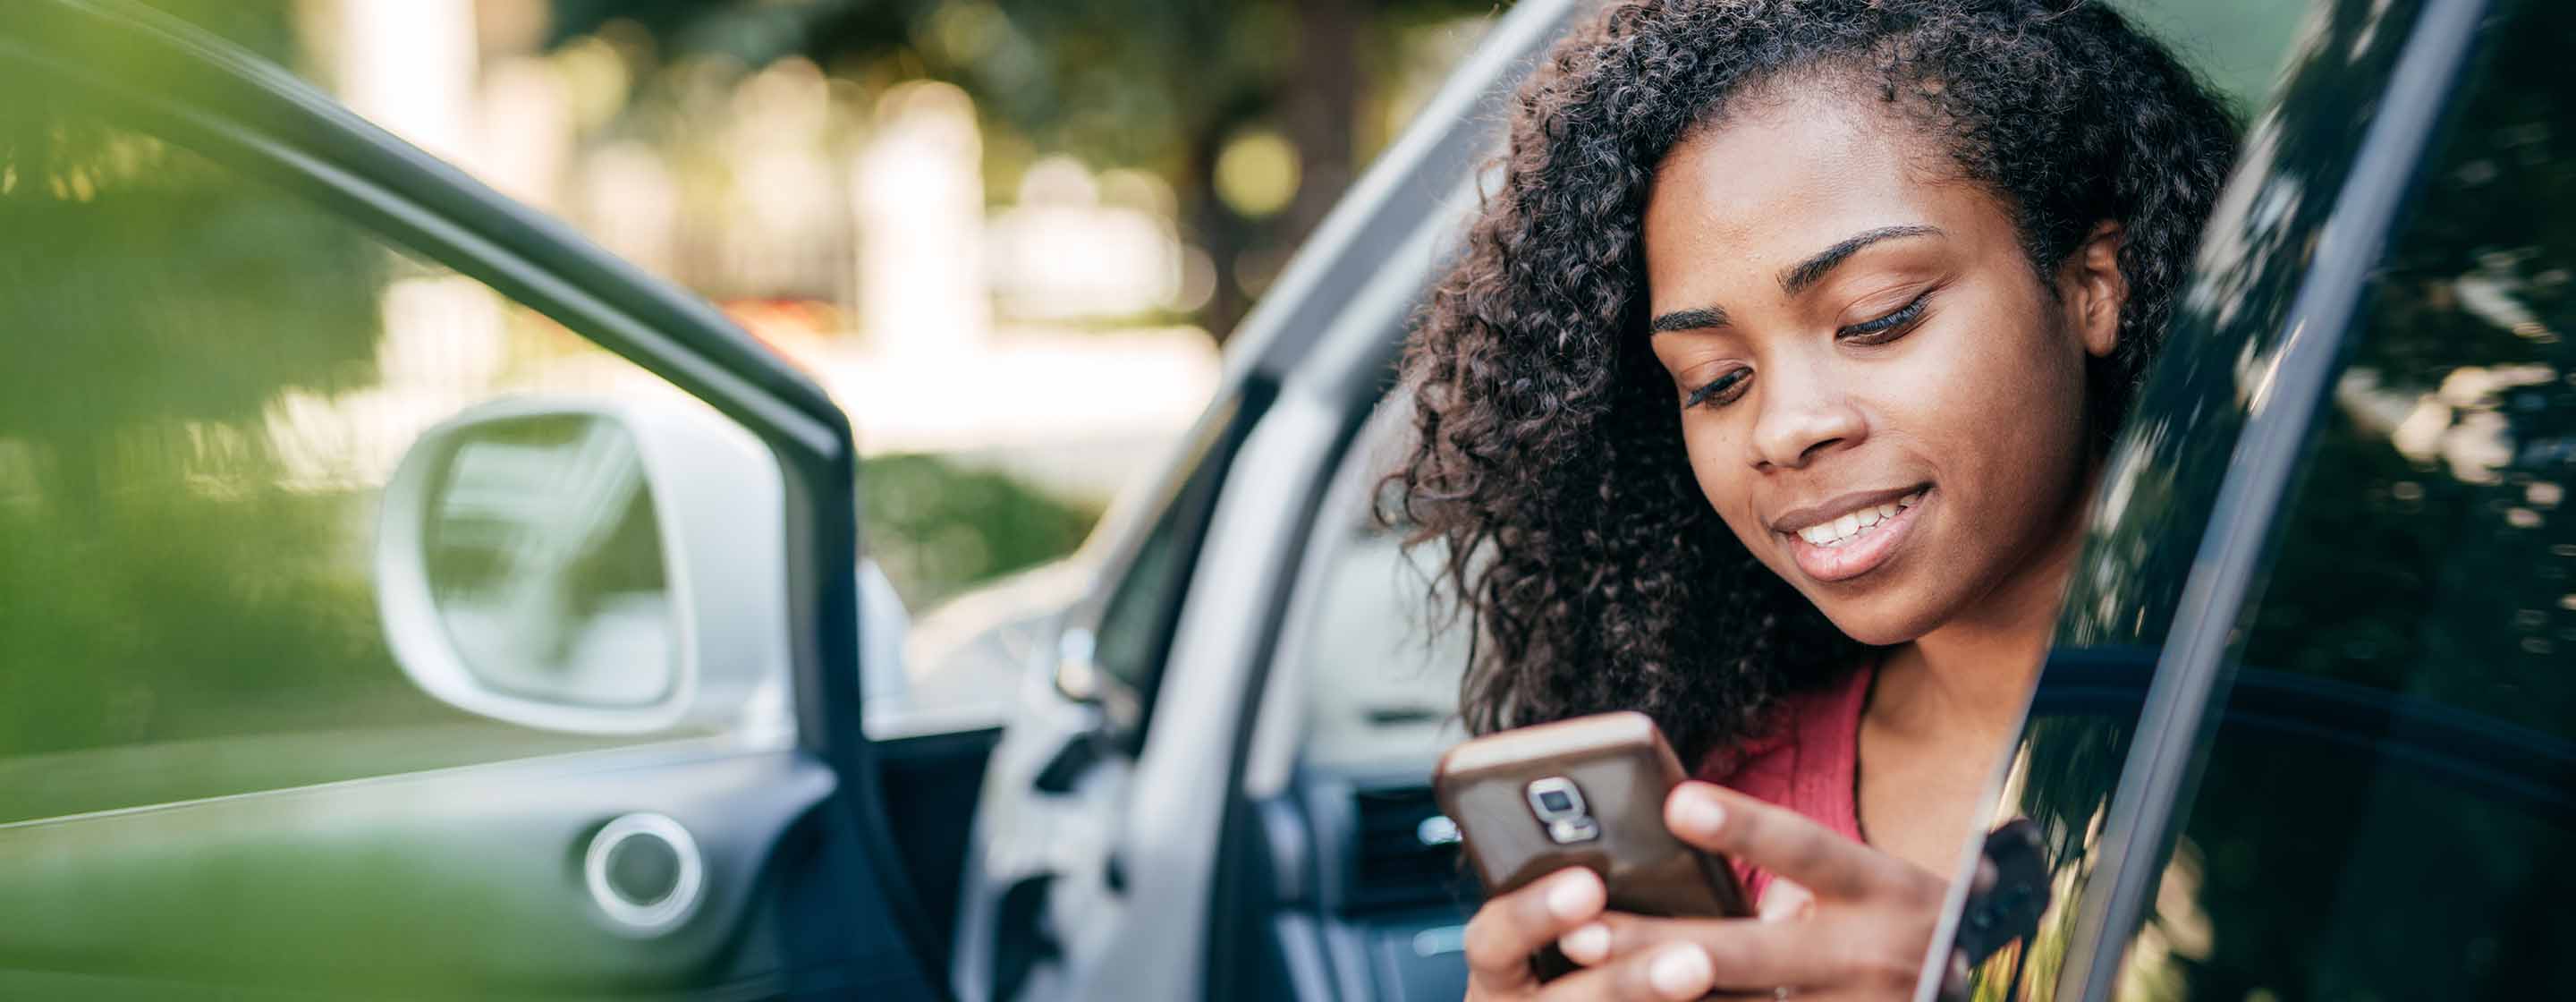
<point>1810,764</point>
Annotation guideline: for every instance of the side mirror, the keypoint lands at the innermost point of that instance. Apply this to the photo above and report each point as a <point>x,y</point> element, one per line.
<point>593,566</point>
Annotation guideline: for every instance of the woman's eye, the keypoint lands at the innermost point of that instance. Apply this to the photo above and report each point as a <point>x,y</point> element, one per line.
<point>1888,327</point>
<point>1720,391</point>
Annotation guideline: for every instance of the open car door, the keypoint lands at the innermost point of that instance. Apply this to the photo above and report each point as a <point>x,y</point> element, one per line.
<point>2305,732</point>
<point>399,596</point>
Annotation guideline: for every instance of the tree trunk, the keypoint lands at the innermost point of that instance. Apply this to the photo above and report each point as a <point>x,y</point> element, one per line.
<point>1219,233</point>
<point>1322,103</point>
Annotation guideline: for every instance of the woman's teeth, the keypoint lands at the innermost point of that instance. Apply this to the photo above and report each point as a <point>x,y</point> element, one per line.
<point>1845,529</point>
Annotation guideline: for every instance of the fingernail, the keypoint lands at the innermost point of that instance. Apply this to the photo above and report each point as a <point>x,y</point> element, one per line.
<point>1783,900</point>
<point>1586,945</point>
<point>1697,811</point>
<point>1681,972</point>
<point>1571,898</point>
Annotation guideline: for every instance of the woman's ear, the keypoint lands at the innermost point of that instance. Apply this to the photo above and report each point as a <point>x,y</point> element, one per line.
<point>2094,289</point>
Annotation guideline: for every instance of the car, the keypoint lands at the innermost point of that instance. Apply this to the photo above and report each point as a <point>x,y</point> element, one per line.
<point>1318,665</point>
<point>2300,733</point>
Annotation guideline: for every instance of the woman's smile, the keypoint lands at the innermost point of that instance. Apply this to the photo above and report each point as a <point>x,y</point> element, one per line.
<point>1852,535</point>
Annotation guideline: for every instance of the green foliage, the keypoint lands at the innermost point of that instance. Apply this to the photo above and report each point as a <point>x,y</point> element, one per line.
<point>143,299</point>
<point>938,527</point>
<point>180,616</point>
<point>267,28</point>
<point>2236,46</point>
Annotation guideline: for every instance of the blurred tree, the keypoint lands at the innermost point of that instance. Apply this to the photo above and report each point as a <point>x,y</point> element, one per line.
<point>113,226</point>
<point>158,581</point>
<point>938,527</point>
<point>1166,85</point>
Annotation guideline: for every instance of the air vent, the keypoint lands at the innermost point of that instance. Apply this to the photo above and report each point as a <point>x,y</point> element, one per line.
<point>1406,854</point>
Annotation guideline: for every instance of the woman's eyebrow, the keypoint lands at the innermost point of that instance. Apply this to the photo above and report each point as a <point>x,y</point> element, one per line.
<point>1688,320</point>
<point>1812,270</point>
<point>1793,280</point>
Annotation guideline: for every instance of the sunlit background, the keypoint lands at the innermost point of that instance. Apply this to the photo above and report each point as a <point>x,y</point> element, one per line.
<point>1009,238</point>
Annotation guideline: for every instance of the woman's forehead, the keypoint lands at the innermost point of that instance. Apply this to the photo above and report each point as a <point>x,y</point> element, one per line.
<point>1786,178</point>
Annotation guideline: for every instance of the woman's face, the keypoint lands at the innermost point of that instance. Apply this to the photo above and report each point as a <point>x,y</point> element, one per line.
<point>1878,393</point>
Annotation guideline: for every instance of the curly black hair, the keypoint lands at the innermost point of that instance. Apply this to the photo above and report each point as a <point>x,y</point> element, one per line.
<point>1548,453</point>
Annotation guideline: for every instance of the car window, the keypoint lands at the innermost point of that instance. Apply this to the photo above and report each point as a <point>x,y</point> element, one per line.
<point>1382,661</point>
<point>1130,641</point>
<point>1018,321</point>
<point>205,384</point>
<point>1377,658</point>
<point>2388,809</point>
<point>1133,634</point>
<point>2238,318</point>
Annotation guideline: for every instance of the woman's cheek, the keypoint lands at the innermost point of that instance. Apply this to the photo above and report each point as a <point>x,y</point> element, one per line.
<point>1976,386</point>
<point>1721,478</point>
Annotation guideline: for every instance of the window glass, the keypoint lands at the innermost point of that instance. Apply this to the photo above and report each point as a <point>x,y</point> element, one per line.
<point>1382,667</point>
<point>1129,642</point>
<point>1134,634</point>
<point>1008,239</point>
<point>1381,662</point>
<point>2161,487</point>
<point>205,383</point>
<point>2388,809</point>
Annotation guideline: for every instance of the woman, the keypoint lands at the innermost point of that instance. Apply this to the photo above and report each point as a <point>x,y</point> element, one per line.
<point>1767,398</point>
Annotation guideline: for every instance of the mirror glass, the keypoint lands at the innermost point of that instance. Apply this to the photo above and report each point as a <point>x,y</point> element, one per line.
<point>546,563</point>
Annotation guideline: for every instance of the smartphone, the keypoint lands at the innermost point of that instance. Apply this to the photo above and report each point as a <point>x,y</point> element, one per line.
<point>1585,792</point>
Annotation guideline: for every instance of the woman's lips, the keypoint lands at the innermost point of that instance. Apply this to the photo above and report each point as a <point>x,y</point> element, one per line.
<point>1859,554</point>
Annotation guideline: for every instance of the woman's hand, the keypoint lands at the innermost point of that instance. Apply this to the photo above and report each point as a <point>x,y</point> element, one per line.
<point>1510,927</point>
<point>1840,920</point>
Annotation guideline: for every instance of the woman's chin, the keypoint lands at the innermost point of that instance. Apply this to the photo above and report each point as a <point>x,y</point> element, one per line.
<point>1880,627</point>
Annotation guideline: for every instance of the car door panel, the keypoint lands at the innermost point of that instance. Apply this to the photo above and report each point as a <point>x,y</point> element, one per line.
<point>466,881</point>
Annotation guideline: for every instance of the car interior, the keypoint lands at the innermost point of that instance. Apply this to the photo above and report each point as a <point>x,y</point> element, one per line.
<point>1340,878</point>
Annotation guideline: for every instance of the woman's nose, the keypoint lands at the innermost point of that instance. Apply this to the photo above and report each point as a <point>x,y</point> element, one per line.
<point>1804,414</point>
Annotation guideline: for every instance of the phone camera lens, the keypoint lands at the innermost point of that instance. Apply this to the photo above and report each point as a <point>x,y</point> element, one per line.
<point>1560,810</point>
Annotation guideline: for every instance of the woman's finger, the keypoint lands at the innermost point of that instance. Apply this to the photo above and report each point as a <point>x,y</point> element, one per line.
<point>1741,953</point>
<point>1675,973</point>
<point>1722,821</point>
<point>1502,935</point>
<point>1785,899</point>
